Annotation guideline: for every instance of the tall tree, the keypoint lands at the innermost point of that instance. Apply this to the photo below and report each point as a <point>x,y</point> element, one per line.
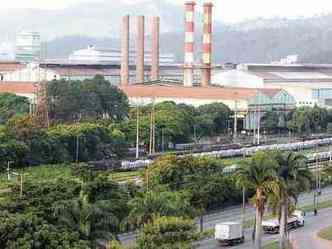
<point>147,205</point>
<point>294,177</point>
<point>12,105</point>
<point>258,173</point>
<point>211,119</point>
<point>89,99</point>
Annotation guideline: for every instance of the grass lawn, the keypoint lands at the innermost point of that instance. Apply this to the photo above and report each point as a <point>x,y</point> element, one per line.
<point>326,233</point>
<point>274,245</point>
<point>126,175</point>
<point>51,172</point>
<point>39,174</point>
<point>321,205</point>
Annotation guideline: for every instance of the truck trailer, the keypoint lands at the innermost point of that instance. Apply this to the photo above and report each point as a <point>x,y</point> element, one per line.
<point>229,233</point>
<point>295,220</point>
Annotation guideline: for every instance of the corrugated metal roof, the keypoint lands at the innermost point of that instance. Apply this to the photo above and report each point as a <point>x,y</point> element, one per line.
<point>7,67</point>
<point>194,92</point>
<point>18,87</point>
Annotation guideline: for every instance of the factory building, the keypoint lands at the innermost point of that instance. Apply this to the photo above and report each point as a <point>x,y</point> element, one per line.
<point>49,70</point>
<point>91,54</point>
<point>145,75</point>
<point>310,84</point>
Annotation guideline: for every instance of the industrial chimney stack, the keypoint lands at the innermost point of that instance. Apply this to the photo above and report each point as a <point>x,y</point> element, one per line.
<point>189,44</point>
<point>125,51</point>
<point>207,45</point>
<point>155,26</point>
<point>140,50</point>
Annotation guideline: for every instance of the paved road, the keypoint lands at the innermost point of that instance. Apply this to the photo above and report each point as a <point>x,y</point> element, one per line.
<point>307,238</point>
<point>302,238</point>
<point>234,214</point>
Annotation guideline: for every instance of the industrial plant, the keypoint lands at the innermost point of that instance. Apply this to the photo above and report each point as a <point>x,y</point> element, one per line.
<point>145,75</point>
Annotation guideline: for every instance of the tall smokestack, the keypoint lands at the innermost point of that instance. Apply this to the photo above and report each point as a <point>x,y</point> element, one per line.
<point>155,26</point>
<point>125,51</point>
<point>140,50</point>
<point>189,43</point>
<point>207,45</point>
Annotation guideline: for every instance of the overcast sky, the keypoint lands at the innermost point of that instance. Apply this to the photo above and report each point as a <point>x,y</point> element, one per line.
<point>227,10</point>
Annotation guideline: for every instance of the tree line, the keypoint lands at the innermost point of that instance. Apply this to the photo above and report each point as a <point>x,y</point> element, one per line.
<point>90,210</point>
<point>91,120</point>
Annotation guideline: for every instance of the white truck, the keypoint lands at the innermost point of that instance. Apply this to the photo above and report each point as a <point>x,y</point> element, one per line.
<point>294,221</point>
<point>229,233</point>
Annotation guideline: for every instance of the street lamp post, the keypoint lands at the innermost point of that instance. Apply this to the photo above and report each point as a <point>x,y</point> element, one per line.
<point>243,201</point>
<point>162,140</point>
<point>8,170</point>
<point>137,132</point>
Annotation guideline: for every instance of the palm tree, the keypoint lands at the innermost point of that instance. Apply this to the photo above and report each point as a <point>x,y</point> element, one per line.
<point>258,173</point>
<point>294,177</point>
<point>92,221</point>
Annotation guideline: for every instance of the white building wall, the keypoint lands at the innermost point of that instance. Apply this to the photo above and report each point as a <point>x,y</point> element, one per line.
<point>301,92</point>
<point>237,78</point>
<point>32,73</point>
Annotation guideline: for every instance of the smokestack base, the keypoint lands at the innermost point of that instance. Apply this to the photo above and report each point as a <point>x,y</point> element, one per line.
<point>205,75</point>
<point>209,4</point>
<point>188,76</point>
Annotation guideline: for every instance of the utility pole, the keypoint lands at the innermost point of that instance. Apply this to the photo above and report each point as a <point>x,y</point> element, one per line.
<point>317,185</point>
<point>254,126</point>
<point>137,132</point>
<point>259,121</point>
<point>243,206</point>
<point>243,200</point>
<point>195,135</point>
<point>152,130</point>
<point>77,140</point>
<point>235,121</point>
<point>162,140</point>
<point>21,185</point>
<point>77,148</point>
<point>8,170</point>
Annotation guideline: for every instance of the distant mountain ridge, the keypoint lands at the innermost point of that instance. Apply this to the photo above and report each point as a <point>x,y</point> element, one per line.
<point>98,23</point>
<point>99,19</point>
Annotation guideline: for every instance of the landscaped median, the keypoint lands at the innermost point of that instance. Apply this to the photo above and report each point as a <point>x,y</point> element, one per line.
<point>326,233</point>
<point>275,245</point>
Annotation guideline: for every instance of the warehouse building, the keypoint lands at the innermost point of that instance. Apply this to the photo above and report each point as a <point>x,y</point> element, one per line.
<point>309,84</point>
<point>250,104</point>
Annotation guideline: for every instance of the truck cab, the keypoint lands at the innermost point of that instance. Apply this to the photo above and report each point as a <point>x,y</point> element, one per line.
<point>295,220</point>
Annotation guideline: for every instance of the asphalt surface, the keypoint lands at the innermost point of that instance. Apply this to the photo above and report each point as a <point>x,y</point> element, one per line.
<point>302,238</point>
<point>235,214</point>
<point>307,238</point>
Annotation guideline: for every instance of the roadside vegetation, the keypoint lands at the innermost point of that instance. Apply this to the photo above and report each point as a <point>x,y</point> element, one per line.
<point>66,189</point>
<point>326,233</point>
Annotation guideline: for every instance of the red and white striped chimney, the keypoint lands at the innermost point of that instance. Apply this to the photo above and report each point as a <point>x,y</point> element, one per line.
<point>207,45</point>
<point>189,43</point>
<point>125,51</point>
